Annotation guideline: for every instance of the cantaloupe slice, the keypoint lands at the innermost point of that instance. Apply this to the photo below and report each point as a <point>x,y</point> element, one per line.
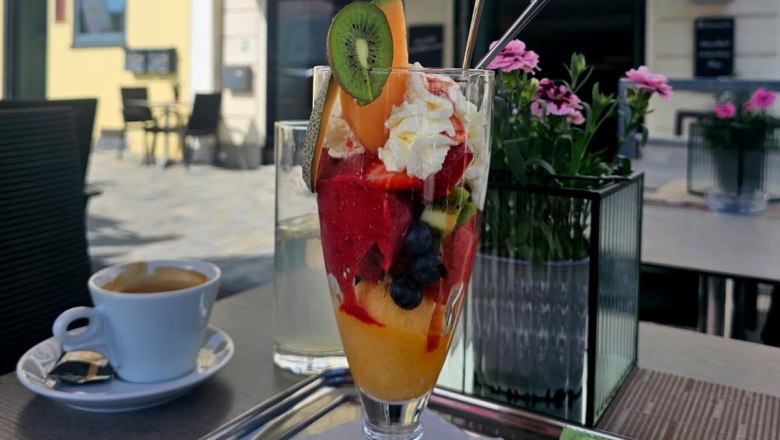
<point>376,300</point>
<point>394,12</point>
<point>315,131</point>
<point>368,121</point>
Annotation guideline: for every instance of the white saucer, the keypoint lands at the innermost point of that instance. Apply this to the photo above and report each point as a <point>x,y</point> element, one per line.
<point>117,395</point>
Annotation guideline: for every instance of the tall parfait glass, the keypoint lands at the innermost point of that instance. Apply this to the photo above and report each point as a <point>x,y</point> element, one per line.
<point>400,188</point>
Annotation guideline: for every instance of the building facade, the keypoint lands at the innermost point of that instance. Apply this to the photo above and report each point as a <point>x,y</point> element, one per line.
<point>275,42</point>
<point>670,41</point>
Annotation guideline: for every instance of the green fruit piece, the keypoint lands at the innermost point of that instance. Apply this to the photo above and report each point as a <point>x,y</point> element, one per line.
<point>457,198</point>
<point>360,50</point>
<point>436,242</point>
<point>467,210</point>
<point>315,131</point>
<point>442,221</point>
<point>458,203</point>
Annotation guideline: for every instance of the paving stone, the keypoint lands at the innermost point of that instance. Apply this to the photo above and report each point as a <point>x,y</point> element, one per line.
<point>221,215</point>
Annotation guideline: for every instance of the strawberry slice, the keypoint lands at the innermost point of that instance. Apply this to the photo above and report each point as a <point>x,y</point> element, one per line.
<point>378,177</point>
<point>458,158</point>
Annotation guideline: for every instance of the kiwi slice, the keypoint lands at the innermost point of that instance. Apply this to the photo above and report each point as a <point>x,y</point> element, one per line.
<point>360,50</point>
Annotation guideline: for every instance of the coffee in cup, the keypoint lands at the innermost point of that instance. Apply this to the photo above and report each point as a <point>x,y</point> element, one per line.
<point>136,278</point>
<point>149,318</point>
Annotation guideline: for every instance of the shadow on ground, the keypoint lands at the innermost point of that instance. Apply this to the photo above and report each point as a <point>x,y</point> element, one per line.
<point>105,231</point>
<point>242,273</point>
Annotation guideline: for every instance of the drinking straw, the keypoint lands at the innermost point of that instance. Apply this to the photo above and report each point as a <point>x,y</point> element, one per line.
<point>475,17</point>
<point>531,11</point>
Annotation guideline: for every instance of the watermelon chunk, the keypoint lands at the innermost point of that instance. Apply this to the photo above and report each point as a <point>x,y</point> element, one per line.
<point>453,168</point>
<point>458,252</point>
<point>360,226</point>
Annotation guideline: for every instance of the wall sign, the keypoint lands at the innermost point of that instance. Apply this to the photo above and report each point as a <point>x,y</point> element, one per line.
<point>714,47</point>
<point>151,61</point>
<point>426,45</point>
<point>161,61</point>
<point>135,61</point>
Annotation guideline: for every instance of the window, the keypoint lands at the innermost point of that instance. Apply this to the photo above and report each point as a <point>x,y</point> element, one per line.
<point>99,23</point>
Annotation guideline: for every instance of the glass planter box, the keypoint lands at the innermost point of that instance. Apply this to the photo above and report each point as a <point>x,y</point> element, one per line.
<point>740,179</point>
<point>557,337</point>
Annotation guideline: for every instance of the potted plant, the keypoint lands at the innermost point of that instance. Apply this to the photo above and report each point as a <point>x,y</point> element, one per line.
<point>559,251</point>
<point>738,135</point>
<point>176,88</point>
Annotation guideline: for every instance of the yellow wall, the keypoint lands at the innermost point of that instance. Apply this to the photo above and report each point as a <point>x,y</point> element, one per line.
<point>100,71</point>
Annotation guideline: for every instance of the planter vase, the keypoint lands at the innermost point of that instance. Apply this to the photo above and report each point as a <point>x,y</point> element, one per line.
<point>531,326</point>
<point>739,179</point>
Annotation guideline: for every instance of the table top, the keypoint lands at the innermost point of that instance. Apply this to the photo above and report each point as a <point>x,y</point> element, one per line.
<point>250,377</point>
<point>701,240</point>
<point>713,243</point>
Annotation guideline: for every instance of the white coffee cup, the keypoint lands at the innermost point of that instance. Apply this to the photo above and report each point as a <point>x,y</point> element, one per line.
<point>147,337</point>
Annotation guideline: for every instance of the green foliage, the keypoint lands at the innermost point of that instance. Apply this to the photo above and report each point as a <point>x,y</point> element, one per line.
<point>547,151</point>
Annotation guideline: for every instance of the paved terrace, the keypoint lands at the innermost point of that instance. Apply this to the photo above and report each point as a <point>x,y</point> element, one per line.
<point>216,214</point>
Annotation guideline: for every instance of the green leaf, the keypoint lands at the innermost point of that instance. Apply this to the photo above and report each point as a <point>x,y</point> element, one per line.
<point>625,166</point>
<point>542,164</point>
<point>514,158</point>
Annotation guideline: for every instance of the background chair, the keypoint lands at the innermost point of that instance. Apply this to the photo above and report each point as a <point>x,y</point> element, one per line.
<point>84,111</point>
<point>44,262</point>
<point>136,114</point>
<point>203,121</point>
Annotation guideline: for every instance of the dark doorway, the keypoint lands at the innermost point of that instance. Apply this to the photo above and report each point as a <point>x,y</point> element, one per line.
<point>25,49</point>
<point>610,33</point>
<point>297,30</point>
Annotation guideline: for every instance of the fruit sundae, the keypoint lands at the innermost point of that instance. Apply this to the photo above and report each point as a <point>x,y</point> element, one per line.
<point>397,155</point>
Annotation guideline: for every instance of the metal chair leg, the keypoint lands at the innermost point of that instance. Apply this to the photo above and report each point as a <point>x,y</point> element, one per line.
<point>122,143</point>
<point>186,150</point>
<point>152,154</point>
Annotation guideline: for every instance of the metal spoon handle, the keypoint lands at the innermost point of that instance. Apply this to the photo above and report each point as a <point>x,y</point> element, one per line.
<point>522,21</point>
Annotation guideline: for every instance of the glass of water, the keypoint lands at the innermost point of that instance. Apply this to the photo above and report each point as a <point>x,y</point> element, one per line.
<point>306,339</point>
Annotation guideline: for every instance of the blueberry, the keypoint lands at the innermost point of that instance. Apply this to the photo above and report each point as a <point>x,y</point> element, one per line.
<point>406,293</point>
<point>426,269</point>
<point>418,238</point>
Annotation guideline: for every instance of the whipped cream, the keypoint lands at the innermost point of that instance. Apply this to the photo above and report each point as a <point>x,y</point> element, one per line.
<point>339,138</point>
<point>419,128</point>
<point>477,129</point>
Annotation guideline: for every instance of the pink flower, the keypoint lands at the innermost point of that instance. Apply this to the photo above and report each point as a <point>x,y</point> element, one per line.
<point>762,99</point>
<point>514,57</point>
<point>557,100</point>
<point>576,118</point>
<point>536,109</point>
<point>725,110</point>
<point>652,82</point>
